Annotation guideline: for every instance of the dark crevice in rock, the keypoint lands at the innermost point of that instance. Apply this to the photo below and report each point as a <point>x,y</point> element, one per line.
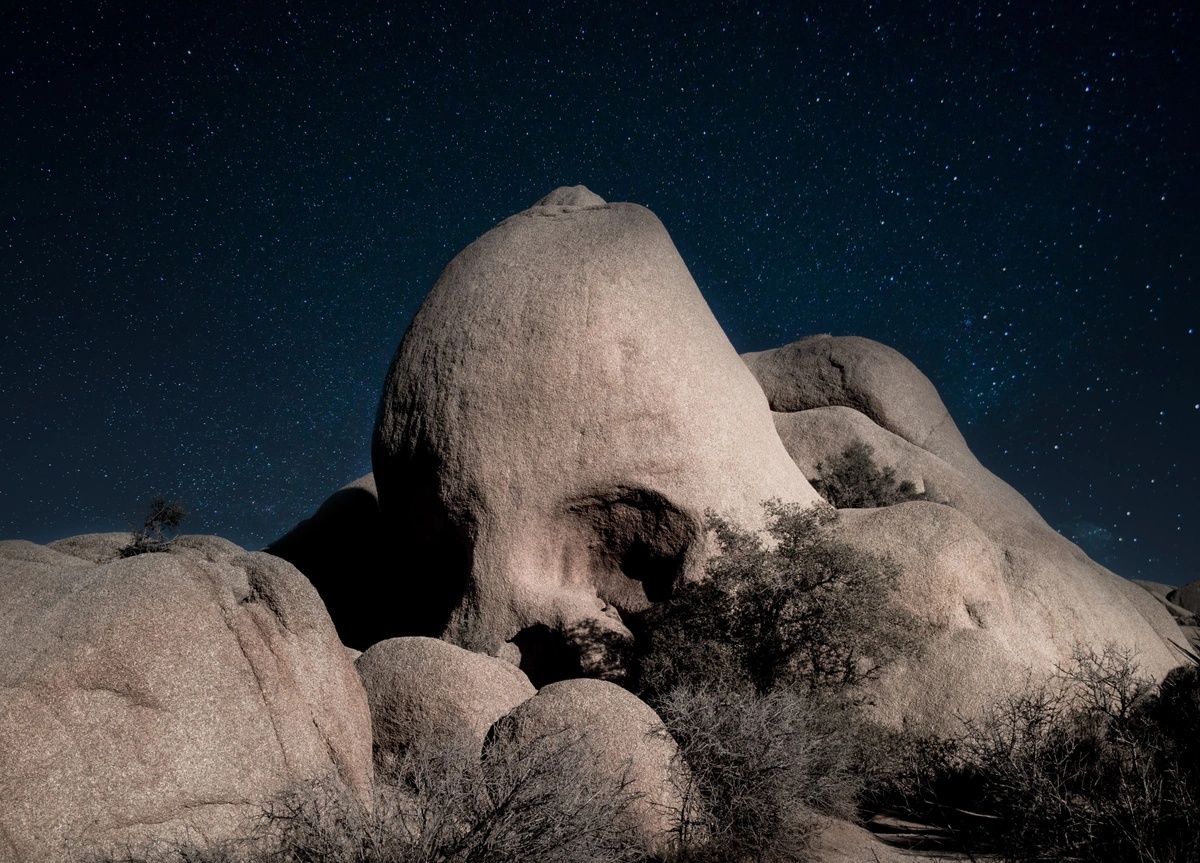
<point>638,541</point>
<point>546,655</point>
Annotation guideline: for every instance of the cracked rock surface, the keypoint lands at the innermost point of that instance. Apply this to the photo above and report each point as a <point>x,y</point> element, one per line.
<point>145,697</point>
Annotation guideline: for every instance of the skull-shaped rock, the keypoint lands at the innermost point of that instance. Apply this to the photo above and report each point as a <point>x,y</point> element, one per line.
<point>561,413</point>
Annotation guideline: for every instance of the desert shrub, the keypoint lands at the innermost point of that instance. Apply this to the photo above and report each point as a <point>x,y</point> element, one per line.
<point>179,852</point>
<point>1096,764</point>
<point>807,611</point>
<point>521,801</point>
<point>757,669</point>
<point>853,479</point>
<point>754,772</point>
<point>162,519</point>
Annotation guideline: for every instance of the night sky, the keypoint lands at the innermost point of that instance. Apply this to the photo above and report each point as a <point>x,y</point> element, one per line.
<point>216,221</point>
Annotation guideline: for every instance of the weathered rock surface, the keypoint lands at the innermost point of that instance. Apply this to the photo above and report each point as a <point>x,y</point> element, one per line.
<point>1166,594</point>
<point>875,380</point>
<point>1000,591</point>
<point>560,414</point>
<point>429,691</point>
<point>1172,598</point>
<point>168,692</point>
<point>344,551</point>
<point>621,736</point>
<point>1187,597</point>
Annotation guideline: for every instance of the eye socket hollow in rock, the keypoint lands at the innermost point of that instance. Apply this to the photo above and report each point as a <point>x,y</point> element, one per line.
<point>639,544</point>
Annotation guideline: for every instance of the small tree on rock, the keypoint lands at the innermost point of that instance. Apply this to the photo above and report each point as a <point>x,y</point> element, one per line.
<point>158,529</point>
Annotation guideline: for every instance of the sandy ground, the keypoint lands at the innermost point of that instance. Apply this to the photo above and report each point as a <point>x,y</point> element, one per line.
<point>886,839</point>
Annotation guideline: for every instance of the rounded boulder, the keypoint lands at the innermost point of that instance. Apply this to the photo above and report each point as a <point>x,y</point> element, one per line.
<point>423,690</point>
<point>622,742</point>
<point>168,694</point>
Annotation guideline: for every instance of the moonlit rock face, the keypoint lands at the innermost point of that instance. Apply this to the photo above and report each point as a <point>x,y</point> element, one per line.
<point>1001,594</point>
<point>425,691</point>
<point>163,696</point>
<point>559,416</point>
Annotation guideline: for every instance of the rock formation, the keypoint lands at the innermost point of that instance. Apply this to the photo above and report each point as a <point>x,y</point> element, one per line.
<point>1002,592</point>
<point>1182,603</point>
<point>560,414</point>
<point>1187,597</point>
<point>427,690</point>
<point>146,697</point>
<point>564,409</point>
<point>621,738</point>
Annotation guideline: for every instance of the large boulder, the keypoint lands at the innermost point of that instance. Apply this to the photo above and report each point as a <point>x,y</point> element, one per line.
<point>560,414</point>
<point>168,693</point>
<point>999,591</point>
<point>621,740</point>
<point>1187,597</point>
<point>426,691</point>
<point>875,380</point>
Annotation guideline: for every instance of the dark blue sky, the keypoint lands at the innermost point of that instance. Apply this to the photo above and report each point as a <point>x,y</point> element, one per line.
<point>215,224</point>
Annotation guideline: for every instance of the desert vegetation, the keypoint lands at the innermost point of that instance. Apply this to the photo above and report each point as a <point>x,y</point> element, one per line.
<point>521,800</point>
<point>758,671</point>
<point>1097,763</point>
<point>796,609</point>
<point>163,518</point>
<point>854,479</point>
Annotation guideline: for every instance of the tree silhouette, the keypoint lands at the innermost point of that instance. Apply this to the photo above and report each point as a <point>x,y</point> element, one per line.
<point>162,520</point>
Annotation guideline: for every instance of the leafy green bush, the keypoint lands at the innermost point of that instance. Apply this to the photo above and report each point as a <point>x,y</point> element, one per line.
<point>853,480</point>
<point>807,611</point>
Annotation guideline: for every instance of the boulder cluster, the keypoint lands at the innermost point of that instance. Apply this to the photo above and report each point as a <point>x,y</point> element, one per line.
<point>558,419</point>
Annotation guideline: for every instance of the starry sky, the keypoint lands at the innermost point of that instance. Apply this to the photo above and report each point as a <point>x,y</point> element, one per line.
<point>217,219</point>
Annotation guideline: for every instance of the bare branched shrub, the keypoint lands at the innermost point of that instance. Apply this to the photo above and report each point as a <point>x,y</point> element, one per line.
<point>546,801</point>
<point>524,800</point>
<point>1097,764</point>
<point>180,852</point>
<point>538,799</point>
<point>755,771</point>
<point>853,479</point>
<point>320,822</point>
<point>162,520</point>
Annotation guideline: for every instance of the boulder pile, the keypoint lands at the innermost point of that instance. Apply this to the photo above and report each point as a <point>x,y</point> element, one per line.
<point>558,421</point>
<point>1001,593</point>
